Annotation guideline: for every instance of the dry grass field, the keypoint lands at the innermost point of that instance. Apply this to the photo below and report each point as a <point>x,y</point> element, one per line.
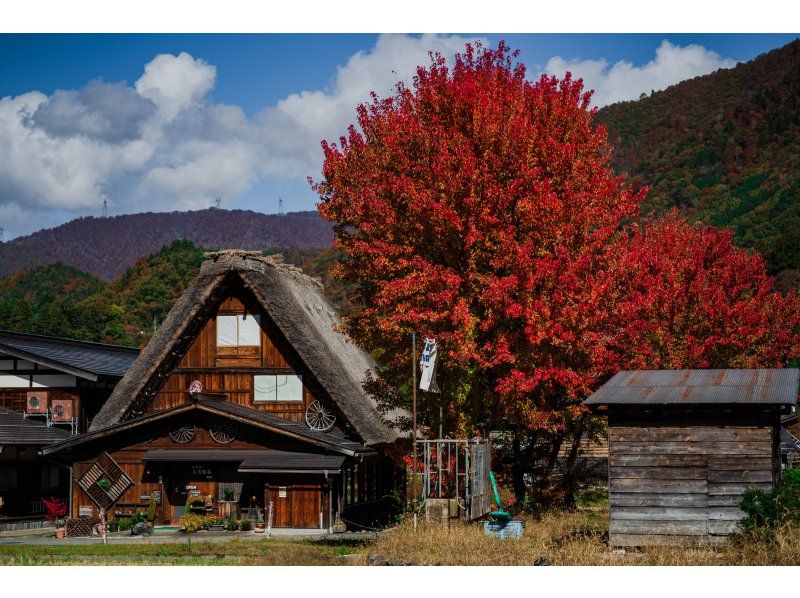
<point>577,538</point>
<point>561,538</point>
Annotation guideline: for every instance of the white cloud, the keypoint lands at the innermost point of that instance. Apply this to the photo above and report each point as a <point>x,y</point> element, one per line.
<point>625,81</point>
<point>176,82</point>
<point>164,144</point>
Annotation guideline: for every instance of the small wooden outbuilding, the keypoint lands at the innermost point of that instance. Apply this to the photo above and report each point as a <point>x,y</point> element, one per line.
<point>684,445</point>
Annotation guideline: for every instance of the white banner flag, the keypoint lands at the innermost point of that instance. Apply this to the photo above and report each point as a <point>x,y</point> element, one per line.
<point>427,365</point>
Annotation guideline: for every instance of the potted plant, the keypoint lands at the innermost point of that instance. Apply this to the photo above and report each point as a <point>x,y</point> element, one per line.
<point>104,483</point>
<point>228,494</point>
<point>56,511</point>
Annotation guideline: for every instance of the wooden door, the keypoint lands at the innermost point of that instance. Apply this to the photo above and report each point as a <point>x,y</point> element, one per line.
<point>295,505</point>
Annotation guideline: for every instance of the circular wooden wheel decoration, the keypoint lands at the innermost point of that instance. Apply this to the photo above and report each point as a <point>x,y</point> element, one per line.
<point>183,435</point>
<point>320,416</point>
<point>223,431</point>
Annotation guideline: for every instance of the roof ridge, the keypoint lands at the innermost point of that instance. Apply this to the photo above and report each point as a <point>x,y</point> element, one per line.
<point>66,340</point>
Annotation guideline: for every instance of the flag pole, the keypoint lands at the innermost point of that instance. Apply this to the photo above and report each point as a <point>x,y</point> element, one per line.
<point>414,418</point>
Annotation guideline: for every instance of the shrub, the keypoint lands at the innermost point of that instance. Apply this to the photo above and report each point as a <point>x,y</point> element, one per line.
<point>209,520</point>
<point>192,523</point>
<point>245,525</point>
<point>151,509</point>
<point>138,517</point>
<point>231,525</point>
<point>124,524</point>
<point>773,509</point>
<point>56,510</point>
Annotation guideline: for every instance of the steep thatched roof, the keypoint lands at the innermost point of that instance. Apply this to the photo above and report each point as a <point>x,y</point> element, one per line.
<point>295,302</point>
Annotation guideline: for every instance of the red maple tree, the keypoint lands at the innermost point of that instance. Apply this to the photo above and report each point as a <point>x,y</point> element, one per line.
<point>480,208</point>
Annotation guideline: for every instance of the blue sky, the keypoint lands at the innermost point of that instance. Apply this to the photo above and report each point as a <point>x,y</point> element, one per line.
<point>87,117</point>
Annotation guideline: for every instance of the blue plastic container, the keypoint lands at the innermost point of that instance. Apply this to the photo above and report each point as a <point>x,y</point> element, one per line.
<point>504,529</point>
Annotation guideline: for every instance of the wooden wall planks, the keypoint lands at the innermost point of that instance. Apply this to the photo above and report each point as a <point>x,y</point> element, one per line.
<point>681,483</point>
<point>233,375</point>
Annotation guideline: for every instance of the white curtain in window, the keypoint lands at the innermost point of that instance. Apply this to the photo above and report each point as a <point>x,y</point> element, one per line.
<point>249,331</point>
<point>264,388</point>
<point>226,331</point>
<point>290,387</point>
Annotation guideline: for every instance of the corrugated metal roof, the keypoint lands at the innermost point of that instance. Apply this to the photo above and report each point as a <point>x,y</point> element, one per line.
<point>72,356</point>
<point>676,387</point>
<point>15,429</point>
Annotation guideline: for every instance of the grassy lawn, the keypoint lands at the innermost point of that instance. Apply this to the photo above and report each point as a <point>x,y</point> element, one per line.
<point>266,552</point>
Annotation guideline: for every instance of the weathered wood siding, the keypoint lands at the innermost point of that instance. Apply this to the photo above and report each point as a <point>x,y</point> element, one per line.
<point>233,374</point>
<point>683,483</point>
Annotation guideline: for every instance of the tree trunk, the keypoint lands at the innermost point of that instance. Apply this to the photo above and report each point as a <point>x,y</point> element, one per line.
<point>517,470</point>
<point>569,482</point>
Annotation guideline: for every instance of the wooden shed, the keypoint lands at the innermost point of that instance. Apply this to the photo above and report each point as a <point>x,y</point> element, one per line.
<point>684,445</point>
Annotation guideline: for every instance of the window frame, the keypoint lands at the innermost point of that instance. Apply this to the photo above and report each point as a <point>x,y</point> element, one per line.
<point>300,399</point>
<point>239,319</point>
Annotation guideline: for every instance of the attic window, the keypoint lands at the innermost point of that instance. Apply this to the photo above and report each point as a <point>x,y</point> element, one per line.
<point>238,331</point>
<point>277,388</point>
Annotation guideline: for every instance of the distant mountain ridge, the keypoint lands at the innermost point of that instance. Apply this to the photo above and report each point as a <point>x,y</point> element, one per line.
<point>725,148</point>
<point>106,247</point>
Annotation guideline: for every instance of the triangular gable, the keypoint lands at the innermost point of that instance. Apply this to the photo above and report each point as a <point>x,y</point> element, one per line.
<point>299,310</point>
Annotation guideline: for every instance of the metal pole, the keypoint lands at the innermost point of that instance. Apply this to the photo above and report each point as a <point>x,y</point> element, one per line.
<point>414,416</point>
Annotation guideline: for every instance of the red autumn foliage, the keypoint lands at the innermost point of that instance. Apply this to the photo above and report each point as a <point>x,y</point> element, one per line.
<point>480,208</point>
<point>692,299</point>
<point>55,508</point>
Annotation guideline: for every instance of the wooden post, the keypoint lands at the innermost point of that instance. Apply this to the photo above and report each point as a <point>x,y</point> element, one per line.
<point>414,418</point>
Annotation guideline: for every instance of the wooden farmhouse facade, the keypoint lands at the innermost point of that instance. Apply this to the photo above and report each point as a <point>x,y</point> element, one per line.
<point>50,389</point>
<point>684,445</point>
<point>247,396</point>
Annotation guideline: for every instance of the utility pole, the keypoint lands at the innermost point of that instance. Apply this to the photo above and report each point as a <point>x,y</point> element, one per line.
<point>414,421</point>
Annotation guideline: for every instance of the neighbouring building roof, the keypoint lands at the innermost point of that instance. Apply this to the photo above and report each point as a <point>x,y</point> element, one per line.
<point>233,411</point>
<point>16,429</point>
<point>688,387</point>
<point>80,358</point>
<point>297,305</point>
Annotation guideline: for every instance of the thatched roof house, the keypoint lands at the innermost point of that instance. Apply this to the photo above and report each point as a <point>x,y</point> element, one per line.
<point>299,308</point>
<point>250,396</point>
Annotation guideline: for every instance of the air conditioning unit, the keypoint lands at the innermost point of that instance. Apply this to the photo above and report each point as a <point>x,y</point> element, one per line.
<point>62,410</point>
<point>38,402</point>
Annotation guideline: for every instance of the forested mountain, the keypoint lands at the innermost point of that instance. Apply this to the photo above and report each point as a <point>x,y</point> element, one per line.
<point>724,147</point>
<point>105,247</point>
<point>60,300</point>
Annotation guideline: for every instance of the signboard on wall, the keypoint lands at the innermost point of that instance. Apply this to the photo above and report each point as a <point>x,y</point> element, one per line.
<point>202,472</point>
<point>85,511</point>
<point>281,491</point>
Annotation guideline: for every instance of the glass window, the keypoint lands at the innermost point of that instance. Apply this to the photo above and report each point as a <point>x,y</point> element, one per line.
<point>265,388</point>
<point>249,331</point>
<point>278,388</point>
<point>8,479</point>
<point>238,331</point>
<point>49,477</point>
<point>226,331</point>
<point>290,387</point>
